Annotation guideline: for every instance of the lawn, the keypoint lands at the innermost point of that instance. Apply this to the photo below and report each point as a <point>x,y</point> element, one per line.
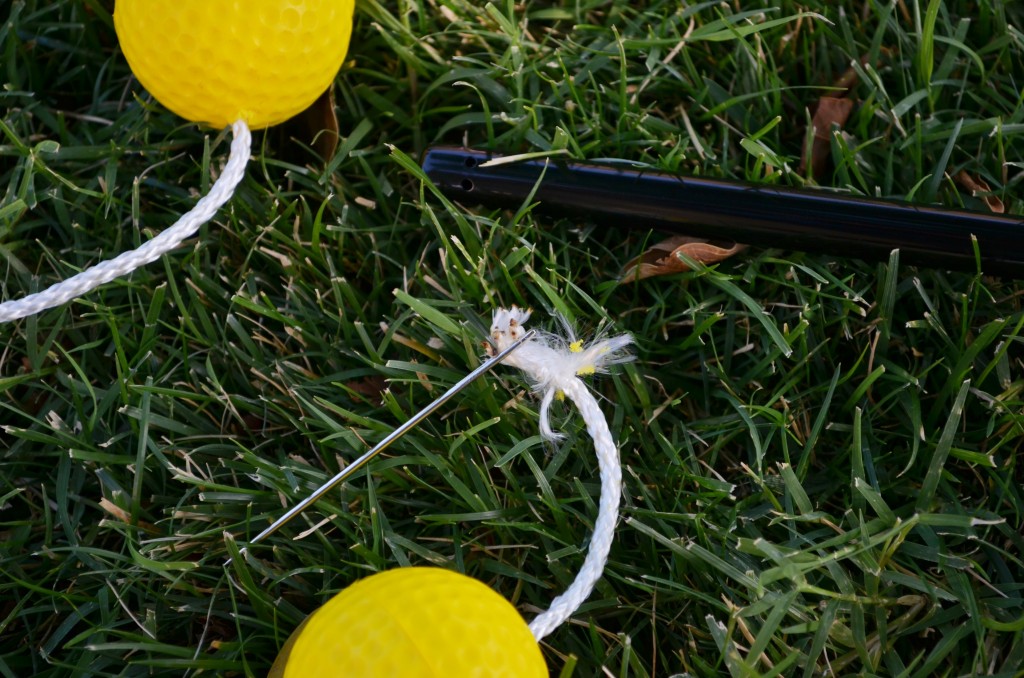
<point>820,454</point>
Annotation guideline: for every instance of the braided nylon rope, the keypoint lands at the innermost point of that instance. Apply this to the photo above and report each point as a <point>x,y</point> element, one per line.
<point>554,365</point>
<point>564,605</point>
<point>150,251</point>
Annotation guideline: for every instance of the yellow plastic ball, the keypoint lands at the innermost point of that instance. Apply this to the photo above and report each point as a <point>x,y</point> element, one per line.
<point>413,621</point>
<point>218,61</point>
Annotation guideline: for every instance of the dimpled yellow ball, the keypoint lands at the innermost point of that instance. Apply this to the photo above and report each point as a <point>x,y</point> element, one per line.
<point>413,621</point>
<point>218,61</point>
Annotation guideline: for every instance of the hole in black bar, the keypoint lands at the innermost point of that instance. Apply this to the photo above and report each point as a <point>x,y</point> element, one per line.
<point>467,185</point>
<point>470,162</point>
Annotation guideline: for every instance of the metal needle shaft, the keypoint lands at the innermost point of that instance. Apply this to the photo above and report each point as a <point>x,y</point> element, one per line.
<point>383,445</point>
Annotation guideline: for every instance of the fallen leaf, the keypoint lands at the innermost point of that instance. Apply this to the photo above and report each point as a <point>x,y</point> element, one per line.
<point>316,127</point>
<point>663,257</point>
<point>830,111</point>
<point>370,388</point>
<point>979,188</point>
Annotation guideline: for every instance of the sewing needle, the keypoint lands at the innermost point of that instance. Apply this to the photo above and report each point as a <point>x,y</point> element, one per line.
<point>384,444</point>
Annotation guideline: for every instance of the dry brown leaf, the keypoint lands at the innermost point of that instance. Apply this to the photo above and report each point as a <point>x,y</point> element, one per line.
<point>316,127</point>
<point>371,388</point>
<point>979,188</point>
<point>663,257</point>
<point>830,111</point>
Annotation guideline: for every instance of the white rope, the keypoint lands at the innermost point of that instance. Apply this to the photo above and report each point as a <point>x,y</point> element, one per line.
<point>554,365</point>
<point>150,251</point>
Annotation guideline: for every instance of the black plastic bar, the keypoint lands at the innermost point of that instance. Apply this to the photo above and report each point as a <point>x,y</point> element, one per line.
<point>765,216</point>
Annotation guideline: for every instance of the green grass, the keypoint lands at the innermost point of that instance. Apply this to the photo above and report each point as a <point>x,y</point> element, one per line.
<point>821,455</point>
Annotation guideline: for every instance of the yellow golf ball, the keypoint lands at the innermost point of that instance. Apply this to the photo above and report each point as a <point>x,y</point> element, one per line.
<point>413,621</point>
<point>218,61</point>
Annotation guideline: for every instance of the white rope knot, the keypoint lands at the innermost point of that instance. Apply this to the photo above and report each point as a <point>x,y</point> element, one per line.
<point>554,365</point>
<point>150,251</point>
